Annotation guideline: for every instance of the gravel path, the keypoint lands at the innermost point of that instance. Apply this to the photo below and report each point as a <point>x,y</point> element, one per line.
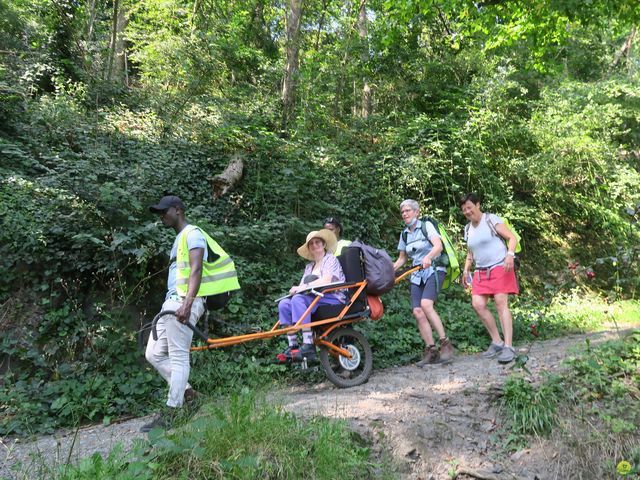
<point>31,456</point>
<point>432,419</point>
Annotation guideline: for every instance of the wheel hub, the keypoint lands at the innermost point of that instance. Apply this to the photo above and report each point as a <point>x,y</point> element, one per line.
<point>350,363</point>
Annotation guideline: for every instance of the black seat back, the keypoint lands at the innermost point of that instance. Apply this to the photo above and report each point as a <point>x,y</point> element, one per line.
<point>351,264</point>
<point>352,267</point>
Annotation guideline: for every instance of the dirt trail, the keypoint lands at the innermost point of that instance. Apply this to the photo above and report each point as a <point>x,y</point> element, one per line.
<point>433,420</point>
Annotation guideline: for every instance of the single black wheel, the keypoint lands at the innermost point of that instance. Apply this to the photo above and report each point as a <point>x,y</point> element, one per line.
<point>346,372</point>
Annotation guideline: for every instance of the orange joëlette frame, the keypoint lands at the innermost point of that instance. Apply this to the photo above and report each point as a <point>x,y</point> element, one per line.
<point>336,322</point>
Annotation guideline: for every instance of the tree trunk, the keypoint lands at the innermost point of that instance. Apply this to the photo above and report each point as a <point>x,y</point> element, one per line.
<point>257,25</point>
<point>292,65</point>
<point>231,175</point>
<point>91,19</point>
<point>194,16</point>
<point>114,35</point>
<point>367,105</point>
<point>320,24</point>
<point>627,47</point>
<point>120,66</point>
<point>364,58</point>
<point>337,97</point>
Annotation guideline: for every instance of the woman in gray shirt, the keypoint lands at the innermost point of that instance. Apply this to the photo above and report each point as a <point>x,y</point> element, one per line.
<point>494,274</point>
<point>425,284</point>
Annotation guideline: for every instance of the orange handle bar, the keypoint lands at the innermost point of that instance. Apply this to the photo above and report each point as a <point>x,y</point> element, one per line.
<point>404,275</point>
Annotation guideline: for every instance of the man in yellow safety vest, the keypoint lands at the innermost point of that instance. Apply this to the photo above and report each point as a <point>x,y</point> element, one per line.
<point>199,268</point>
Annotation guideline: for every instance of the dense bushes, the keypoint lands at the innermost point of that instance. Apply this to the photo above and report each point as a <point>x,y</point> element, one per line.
<point>82,157</point>
<point>78,180</point>
<point>62,370</point>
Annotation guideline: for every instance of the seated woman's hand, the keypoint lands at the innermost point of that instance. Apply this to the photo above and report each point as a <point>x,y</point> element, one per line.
<point>294,290</point>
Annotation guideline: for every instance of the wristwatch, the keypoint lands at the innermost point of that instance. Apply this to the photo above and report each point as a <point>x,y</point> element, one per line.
<point>510,253</point>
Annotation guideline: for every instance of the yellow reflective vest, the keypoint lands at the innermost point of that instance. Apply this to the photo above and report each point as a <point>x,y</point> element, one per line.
<point>219,276</point>
<point>340,245</point>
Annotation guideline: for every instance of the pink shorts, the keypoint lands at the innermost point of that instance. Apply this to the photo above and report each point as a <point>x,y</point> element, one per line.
<point>496,280</point>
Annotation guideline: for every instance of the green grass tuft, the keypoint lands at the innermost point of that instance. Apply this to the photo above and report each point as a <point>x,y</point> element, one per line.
<point>530,409</point>
<point>242,439</point>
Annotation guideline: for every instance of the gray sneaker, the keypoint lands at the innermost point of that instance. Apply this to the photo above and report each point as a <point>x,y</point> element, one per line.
<point>507,355</point>
<point>493,350</point>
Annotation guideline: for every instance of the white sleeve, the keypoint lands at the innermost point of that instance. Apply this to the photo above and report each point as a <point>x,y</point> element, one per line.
<point>495,219</point>
<point>195,239</point>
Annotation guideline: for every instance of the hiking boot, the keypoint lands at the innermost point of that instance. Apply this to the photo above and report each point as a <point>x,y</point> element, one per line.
<point>493,350</point>
<point>507,355</point>
<point>446,351</point>
<point>158,421</point>
<point>431,356</point>
<point>308,351</point>
<point>192,399</point>
<point>287,354</point>
<point>190,395</point>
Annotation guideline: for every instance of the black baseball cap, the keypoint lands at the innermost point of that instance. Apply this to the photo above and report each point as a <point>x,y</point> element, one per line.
<point>166,203</point>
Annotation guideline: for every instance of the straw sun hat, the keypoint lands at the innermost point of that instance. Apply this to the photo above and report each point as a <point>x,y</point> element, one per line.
<point>329,242</point>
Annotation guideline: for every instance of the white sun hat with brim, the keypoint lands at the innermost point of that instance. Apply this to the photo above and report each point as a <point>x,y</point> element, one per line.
<point>325,235</point>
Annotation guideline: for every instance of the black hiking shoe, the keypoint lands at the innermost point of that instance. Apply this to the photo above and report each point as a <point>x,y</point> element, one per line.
<point>193,400</point>
<point>307,351</point>
<point>287,354</point>
<point>159,420</point>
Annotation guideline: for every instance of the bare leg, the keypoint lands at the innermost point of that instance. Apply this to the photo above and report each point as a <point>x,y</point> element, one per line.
<point>423,326</point>
<point>479,303</point>
<point>432,316</point>
<point>506,320</point>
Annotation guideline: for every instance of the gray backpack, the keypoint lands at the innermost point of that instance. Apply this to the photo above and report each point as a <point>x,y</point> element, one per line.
<point>378,268</point>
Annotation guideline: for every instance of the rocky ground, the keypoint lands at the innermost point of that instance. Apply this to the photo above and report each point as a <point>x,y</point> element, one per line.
<point>435,421</point>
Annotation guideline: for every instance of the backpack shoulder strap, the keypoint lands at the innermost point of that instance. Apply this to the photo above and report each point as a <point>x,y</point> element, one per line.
<point>423,226</point>
<point>492,227</point>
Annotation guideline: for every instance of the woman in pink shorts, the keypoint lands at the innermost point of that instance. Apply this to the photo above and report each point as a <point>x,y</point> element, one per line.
<point>494,274</point>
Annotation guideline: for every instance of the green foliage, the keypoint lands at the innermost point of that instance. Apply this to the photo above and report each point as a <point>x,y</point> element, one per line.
<point>530,409</point>
<point>244,438</point>
<point>595,400</point>
<point>129,465</point>
<point>605,381</point>
<point>62,373</point>
<point>519,102</point>
<point>560,312</point>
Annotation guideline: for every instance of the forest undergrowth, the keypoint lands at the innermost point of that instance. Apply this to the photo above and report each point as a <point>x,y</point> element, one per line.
<point>105,106</point>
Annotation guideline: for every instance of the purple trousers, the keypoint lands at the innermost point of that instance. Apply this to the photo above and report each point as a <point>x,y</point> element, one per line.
<point>291,309</point>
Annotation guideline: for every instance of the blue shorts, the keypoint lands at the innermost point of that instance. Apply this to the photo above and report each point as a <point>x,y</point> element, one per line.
<point>426,290</point>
